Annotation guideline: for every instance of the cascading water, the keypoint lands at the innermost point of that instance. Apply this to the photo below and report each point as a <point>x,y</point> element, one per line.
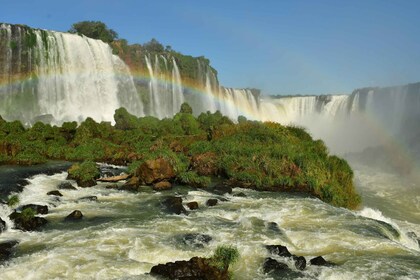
<point>67,76</point>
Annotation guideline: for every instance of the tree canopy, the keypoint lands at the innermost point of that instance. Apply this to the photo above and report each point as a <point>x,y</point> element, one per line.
<point>95,30</point>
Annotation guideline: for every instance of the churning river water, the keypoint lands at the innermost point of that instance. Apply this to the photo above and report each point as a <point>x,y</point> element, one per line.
<point>123,234</point>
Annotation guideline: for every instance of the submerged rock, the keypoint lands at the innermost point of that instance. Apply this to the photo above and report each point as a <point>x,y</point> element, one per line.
<point>88,198</point>
<point>131,185</point>
<point>193,205</point>
<point>212,202</point>
<point>271,265</point>
<point>55,193</point>
<point>241,194</point>
<point>6,249</point>
<point>320,261</point>
<point>174,205</point>
<point>66,186</point>
<point>195,269</point>
<point>26,221</point>
<point>221,189</point>
<point>196,240</point>
<point>38,209</point>
<point>162,186</point>
<point>280,250</point>
<point>74,216</point>
<point>300,262</point>
<point>2,225</point>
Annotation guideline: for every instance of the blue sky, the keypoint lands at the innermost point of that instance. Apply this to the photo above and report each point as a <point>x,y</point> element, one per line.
<point>281,47</point>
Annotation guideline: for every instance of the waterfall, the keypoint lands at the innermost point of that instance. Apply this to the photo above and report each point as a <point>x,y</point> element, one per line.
<point>67,76</point>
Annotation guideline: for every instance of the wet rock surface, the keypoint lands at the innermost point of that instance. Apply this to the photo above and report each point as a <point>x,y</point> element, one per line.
<point>173,204</point>
<point>66,186</point>
<point>26,222</point>
<point>55,193</point>
<point>195,269</point>
<point>76,215</point>
<point>193,205</point>
<point>38,209</point>
<point>196,240</point>
<point>212,202</point>
<point>6,249</point>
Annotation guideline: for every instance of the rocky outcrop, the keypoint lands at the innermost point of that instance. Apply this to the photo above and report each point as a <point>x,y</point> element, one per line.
<point>279,269</point>
<point>320,261</point>
<point>155,170</point>
<point>280,250</point>
<point>162,186</point>
<point>55,193</point>
<point>212,202</point>
<point>173,204</point>
<point>38,209</point>
<point>196,240</point>
<point>193,205</point>
<point>88,198</point>
<point>2,225</point>
<point>76,215</point>
<point>66,186</point>
<point>6,249</point>
<point>300,262</point>
<point>195,269</point>
<point>85,173</point>
<point>26,221</point>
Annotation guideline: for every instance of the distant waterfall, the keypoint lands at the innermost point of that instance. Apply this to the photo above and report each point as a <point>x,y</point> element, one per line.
<point>68,76</point>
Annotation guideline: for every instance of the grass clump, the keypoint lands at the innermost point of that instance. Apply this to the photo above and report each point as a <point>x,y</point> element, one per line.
<point>223,256</point>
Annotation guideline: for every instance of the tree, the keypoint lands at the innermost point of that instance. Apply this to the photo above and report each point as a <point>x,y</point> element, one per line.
<point>95,30</point>
<point>153,46</point>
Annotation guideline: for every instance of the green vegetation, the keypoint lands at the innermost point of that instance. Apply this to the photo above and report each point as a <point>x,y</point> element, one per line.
<point>27,214</point>
<point>95,30</point>
<point>262,156</point>
<point>85,173</point>
<point>13,200</point>
<point>223,256</point>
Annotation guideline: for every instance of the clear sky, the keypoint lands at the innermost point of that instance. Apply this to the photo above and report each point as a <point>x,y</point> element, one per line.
<point>281,47</point>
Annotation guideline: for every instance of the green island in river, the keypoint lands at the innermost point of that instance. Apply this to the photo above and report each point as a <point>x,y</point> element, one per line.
<point>196,151</point>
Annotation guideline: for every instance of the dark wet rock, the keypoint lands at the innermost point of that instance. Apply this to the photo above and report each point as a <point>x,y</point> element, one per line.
<point>174,205</point>
<point>88,198</point>
<point>273,227</point>
<point>162,186</point>
<point>155,170</point>
<point>320,261</point>
<point>26,222</point>
<point>271,265</point>
<point>212,202</point>
<point>241,194</point>
<point>6,249</point>
<point>74,216</point>
<point>38,209</point>
<point>114,186</point>
<point>280,250</point>
<point>131,185</point>
<point>300,262</point>
<point>195,269</point>
<point>66,186</point>
<point>193,205</point>
<point>2,225</point>
<point>196,240</point>
<point>55,193</point>
<point>221,189</point>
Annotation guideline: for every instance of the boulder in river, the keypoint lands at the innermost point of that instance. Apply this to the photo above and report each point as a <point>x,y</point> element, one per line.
<point>196,268</point>
<point>74,216</point>
<point>6,249</point>
<point>193,205</point>
<point>280,250</point>
<point>279,269</point>
<point>155,170</point>
<point>221,189</point>
<point>66,186</point>
<point>26,220</point>
<point>174,205</point>
<point>55,193</point>
<point>162,186</point>
<point>196,240</point>
<point>300,262</point>
<point>131,185</point>
<point>2,225</point>
<point>88,198</point>
<point>38,209</point>
<point>320,261</point>
<point>212,202</point>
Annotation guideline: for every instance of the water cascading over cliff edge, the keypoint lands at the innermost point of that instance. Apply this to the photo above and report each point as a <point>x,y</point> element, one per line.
<point>72,77</point>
